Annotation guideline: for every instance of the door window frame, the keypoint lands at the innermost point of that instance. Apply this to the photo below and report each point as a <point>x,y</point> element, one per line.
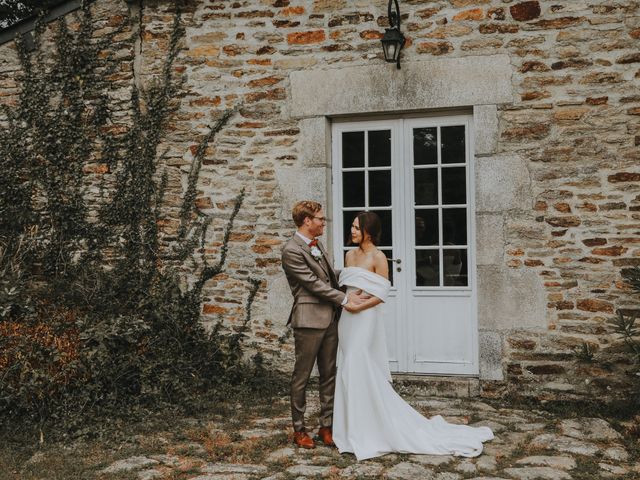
<point>401,180</point>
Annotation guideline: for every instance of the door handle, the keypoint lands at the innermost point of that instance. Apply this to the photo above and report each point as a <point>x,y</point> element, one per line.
<point>398,261</point>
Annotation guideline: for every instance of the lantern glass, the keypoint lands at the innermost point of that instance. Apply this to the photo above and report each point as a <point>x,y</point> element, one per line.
<point>389,51</point>
<point>392,42</point>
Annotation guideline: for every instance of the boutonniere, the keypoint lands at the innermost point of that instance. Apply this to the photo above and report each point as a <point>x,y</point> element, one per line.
<point>315,251</point>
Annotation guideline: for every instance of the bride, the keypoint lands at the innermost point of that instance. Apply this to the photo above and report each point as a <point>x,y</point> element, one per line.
<point>370,418</point>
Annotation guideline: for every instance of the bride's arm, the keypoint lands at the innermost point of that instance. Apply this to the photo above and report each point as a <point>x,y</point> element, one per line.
<point>372,302</point>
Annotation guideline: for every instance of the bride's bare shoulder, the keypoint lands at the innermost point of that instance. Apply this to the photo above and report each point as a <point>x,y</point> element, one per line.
<point>381,267</point>
<point>349,257</point>
<point>379,255</point>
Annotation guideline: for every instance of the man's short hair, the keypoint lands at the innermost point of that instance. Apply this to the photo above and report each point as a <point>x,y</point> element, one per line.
<point>304,209</point>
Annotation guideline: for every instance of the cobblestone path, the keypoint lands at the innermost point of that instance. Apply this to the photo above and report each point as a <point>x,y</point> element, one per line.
<point>528,445</point>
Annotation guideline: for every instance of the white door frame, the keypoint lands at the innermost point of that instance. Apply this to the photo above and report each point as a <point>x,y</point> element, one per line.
<point>403,201</point>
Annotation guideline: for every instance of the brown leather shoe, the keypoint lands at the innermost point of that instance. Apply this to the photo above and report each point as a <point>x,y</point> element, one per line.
<point>326,436</point>
<point>303,440</point>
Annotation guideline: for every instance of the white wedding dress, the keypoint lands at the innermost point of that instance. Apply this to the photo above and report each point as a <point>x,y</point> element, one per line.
<point>370,419</point>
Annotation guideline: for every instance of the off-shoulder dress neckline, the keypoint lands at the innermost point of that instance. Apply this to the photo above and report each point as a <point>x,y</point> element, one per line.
<point>368,271</point>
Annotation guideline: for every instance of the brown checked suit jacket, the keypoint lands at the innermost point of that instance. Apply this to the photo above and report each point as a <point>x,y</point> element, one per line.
<point>314,285</point>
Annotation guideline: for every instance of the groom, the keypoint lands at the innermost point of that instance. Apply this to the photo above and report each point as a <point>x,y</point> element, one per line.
<point>314,318</point>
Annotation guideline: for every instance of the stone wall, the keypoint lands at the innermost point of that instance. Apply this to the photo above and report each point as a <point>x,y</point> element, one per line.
<point>558,175</point>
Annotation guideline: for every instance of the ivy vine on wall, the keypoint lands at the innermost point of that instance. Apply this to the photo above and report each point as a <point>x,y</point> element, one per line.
<point>94,308</point>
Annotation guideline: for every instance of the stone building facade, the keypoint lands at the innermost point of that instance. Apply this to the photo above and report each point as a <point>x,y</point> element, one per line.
<point>536,104</point>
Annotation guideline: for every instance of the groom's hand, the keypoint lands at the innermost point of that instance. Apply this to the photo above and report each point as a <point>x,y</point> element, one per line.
<point>358,297</point>
<point>349,307</point>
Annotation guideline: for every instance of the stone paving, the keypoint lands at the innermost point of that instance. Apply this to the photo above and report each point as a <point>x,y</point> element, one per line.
<point>529,445</point>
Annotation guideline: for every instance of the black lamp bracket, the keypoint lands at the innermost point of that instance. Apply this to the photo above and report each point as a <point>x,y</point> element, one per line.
<point>394,17</point>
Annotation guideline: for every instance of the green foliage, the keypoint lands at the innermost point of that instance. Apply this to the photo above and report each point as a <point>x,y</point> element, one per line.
<point>625,326</point>
<point>12,11</point>
<point>632,277</point>
<point>95,311</point>
<point>625,323</point>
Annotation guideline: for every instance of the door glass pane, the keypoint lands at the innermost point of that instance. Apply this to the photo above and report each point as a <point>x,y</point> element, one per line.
<point>427,227</point>
<point>454,265</point>
<point>391,265</point>
<point>427,268</point>
<point>454,185</point>
<point>385,220</point>
<point>426,186</point>
<point>353,189</point>
<point>452,145</point>
<point>425,148</point>
<point>454,226</point>
<point>352,149</point>
<point>380,148</point>
<point>380,188</point>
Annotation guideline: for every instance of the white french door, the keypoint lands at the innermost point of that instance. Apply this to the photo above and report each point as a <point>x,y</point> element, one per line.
<point>417,175</point>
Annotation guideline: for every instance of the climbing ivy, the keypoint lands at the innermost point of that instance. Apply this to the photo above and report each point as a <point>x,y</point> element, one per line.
<point>95,308</point>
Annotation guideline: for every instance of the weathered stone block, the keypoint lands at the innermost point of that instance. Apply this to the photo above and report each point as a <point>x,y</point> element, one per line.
<point>481,44</point>
<point>549,369</point>
<point>491,355</point>
<point>624,177</point>
<point>631,58</point>
<point>297,183</point>
<point>489,28</point>
<point>467,3</point>
<point>533,66</point>
<point>593,305</point>
<point>567,221</point>
<point>452,30</point>
<point>510,299</point>
<point>435,48</point>
<point>290,11</point>
<point>592,242</point>
<point>613,251</point>
<point>502,184</point>
<point>520,343</point>
<point>314,141</point>
<point>533,131</point>
<point>560,22</point>
<point>306,38</point>
<point>489,239</point>
<point>571,63</point>
<point>485,126</point>
<point>601,77</point>
<point>418,85</point>
<point>430,12</point>
<point>472,14</point>
<point>525,11</point>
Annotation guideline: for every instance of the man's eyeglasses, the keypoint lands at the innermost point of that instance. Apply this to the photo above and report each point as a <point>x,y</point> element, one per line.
<point>322,219</point>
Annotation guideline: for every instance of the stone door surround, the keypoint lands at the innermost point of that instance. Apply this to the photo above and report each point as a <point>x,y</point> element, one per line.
<point>502,182</point>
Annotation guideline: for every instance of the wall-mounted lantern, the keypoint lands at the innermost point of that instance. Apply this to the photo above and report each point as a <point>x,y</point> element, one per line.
<point>393,39</point>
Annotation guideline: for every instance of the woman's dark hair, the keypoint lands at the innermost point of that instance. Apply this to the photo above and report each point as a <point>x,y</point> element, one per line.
<point>371,224</point>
